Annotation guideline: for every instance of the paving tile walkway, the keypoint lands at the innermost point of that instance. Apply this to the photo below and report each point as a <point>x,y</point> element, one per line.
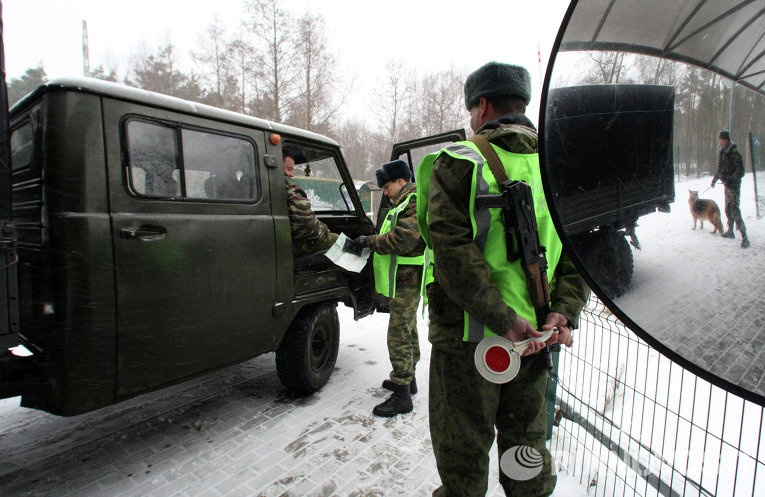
<point>235,433</point>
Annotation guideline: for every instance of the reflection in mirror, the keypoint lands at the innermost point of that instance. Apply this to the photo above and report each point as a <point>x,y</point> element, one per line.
<point>628,139</point>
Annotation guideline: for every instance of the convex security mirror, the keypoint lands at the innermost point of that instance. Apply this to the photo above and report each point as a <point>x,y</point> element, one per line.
<point>635,98</point>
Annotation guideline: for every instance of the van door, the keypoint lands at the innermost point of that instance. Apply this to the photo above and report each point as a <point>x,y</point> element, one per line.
<point>411,152</point>
<point>194,249</point>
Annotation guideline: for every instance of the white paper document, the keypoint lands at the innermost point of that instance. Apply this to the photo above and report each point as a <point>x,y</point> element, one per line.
<point>346,260</point>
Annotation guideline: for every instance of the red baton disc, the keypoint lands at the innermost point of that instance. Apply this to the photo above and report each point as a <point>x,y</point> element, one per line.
<point>496,360</point>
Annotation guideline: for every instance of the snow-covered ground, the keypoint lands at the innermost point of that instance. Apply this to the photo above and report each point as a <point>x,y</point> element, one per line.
<point>237,432</point>
<point>639,423</point>
<point>701,294</point>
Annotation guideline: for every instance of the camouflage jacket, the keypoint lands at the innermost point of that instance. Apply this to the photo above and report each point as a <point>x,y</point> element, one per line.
<point>308,233</point>
<point>462,277</point>
<point>404,239</point>
<point>730,166</point>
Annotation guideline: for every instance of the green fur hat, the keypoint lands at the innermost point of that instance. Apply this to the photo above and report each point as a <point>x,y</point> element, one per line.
<point>496,78</point>
<point>391,171</point>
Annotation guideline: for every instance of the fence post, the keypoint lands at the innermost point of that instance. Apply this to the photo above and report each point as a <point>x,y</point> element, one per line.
<point>551,391</point>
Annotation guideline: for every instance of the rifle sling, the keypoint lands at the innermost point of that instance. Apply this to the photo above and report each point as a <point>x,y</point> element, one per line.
<point>497,169</point>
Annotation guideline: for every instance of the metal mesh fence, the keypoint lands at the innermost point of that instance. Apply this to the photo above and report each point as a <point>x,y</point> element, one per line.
<point>631,422</point>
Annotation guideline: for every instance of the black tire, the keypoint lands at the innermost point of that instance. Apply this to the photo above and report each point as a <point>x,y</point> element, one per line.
<point>306,357</point>
<point>608,260</point>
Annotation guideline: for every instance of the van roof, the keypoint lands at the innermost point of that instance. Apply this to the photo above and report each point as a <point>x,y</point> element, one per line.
<point>122,92</point>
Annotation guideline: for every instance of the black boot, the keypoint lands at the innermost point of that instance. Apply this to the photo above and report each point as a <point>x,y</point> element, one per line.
<point>398,403</point>
<point>388,385</point>
<point>729,233</point>
<point>744,240</point>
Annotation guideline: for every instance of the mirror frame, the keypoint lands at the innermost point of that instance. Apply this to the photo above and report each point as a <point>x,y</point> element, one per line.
<point>567,245</point>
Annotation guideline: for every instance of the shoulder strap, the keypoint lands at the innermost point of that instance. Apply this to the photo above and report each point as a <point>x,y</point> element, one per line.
<point>497,169</point>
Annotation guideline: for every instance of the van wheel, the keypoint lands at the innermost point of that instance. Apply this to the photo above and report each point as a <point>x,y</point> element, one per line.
<point>306,357</point>
<point>608,259</point>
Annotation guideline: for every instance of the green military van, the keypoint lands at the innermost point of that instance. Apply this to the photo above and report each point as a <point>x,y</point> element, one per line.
<point>149,242</point>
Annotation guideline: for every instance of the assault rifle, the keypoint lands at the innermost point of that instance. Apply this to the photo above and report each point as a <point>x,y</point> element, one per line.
<point>520,222</point>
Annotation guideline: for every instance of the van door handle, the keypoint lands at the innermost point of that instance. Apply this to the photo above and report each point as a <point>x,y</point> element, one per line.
<point>146,233</point>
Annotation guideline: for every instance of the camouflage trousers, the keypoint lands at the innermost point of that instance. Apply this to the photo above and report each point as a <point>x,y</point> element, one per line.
<point>403,341</point>
<point>464,411</point>
<point>732,211</point>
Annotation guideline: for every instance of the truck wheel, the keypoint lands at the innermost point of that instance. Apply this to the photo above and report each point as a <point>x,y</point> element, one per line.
<point>608,259</point>
<point>306,357</point>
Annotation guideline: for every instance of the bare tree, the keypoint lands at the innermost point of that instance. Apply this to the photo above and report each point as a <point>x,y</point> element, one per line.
<point>393,98</point>
<point>215,56</point>
<point>442,102</point>
<point>244,70</point>
<point>314,106</point>
<point>272,27</point>
<point>656,71</point>
<point>607,67</point>
<point>364,149</point>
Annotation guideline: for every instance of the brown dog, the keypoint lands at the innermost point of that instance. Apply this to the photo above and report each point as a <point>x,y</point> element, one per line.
<point>705,209</point>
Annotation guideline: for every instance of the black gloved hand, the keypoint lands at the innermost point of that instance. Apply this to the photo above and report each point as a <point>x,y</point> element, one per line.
<point>352,247</point>
<point>363,240</point>
<point>355,246</point>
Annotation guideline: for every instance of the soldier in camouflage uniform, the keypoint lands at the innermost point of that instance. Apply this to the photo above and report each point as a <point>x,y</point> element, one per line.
<point>399,252</point>
<point>730,170</point>
<point>465,408</point>
<point>308,233</point>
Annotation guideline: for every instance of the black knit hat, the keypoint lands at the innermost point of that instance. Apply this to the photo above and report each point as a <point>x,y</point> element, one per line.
<point>725,134</point>
<point>391,171</point>
<point>496,78</point>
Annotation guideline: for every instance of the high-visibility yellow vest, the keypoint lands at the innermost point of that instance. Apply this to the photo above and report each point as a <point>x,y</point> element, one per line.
<point>386,265</point>
<point>488,228</point>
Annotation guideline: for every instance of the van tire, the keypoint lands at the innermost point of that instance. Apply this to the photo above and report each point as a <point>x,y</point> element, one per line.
<point>608,259</point>
<point>306,356</point>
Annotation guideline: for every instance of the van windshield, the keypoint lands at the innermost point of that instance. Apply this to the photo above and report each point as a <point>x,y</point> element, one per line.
<point>318,174</point>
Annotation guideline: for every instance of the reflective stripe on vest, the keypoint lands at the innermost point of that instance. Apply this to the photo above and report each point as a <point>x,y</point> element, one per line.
<point>488,229</point>
<point>386,265</point>
<point>423,191</point>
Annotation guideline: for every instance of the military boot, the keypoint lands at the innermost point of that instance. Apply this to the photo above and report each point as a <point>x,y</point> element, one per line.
<point>388,385</point>
<point>744,240</point>
<point>729,233</point>
<point>398,403</point>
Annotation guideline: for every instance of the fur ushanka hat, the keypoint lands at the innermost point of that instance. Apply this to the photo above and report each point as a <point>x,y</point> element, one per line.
<point>391,171</point>
<point>496,78</point>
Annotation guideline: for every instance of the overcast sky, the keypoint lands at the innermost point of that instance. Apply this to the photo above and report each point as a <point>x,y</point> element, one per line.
<point>428,35</point>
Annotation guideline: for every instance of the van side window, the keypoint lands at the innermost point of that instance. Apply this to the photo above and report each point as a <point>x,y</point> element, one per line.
<point>219,166</point>
<point>22,145</point>
<point>152,159</point>
<point>212,166</point>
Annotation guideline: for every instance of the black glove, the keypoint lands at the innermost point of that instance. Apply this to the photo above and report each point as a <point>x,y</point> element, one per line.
<point>714,182</point>
<point>355,246</point>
